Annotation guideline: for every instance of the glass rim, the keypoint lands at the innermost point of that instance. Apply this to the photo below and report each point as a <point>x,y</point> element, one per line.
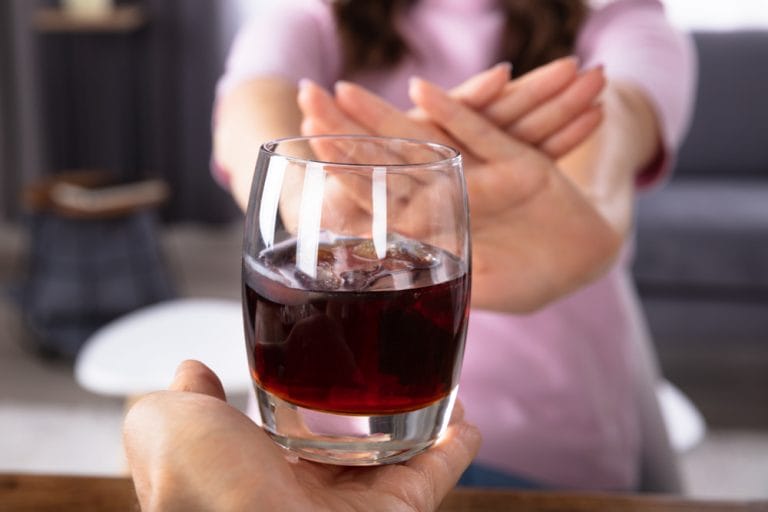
<point>454,158</point>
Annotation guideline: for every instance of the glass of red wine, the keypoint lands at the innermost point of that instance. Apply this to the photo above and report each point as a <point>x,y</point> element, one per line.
<point>356,280</point>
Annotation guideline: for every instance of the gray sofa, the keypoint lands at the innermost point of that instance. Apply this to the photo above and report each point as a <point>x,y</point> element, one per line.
<point>701,263</point>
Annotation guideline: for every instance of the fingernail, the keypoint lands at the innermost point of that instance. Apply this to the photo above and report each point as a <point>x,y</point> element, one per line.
<point>430,94</point>
<point>506,66</point>
<point>414,81</point>
<point>598,70</point>
<point>575,59</point>
<point>304,83</point>
<point>414,84</point>
<point>340,85</point>
<point>306,127</point>
<point>180,370</point>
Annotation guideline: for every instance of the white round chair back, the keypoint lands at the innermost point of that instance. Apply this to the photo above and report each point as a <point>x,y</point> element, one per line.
<point>138,353</point>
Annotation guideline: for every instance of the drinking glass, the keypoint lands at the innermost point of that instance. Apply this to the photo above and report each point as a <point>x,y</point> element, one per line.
<point>356,279</point>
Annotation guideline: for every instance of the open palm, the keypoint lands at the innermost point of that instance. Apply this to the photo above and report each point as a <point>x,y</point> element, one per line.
<point>189,450</point>
<point>535,236</point>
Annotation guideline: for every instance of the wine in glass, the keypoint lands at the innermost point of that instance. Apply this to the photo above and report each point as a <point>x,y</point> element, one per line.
<point>356,279</point>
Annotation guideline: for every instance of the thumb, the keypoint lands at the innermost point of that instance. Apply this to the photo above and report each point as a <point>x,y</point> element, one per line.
<point>194,377</point>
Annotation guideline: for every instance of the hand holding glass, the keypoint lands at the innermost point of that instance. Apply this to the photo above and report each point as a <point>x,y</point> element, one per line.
<point>356,284</point>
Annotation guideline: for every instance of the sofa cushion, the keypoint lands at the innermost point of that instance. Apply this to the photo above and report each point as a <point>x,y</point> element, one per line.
<point>730,122</point>
<point>704,236</point>
<point>679,324</point>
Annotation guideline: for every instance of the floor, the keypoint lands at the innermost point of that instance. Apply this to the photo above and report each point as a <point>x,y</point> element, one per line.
<point>49,424</point>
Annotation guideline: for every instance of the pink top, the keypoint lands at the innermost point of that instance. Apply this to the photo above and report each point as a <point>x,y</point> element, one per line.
<point>552,392</point>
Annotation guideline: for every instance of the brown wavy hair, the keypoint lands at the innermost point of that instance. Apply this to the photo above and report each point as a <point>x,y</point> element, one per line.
<point>537,32</point>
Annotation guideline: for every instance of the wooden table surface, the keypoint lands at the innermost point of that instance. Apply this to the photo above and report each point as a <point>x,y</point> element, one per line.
<point>42,493</point>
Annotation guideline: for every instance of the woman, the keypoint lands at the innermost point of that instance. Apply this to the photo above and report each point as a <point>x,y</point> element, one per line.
<point>552,362</point>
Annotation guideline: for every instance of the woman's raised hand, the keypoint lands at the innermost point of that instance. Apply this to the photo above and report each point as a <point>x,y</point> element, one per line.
<point>536,237</point>
<point>553,107</point>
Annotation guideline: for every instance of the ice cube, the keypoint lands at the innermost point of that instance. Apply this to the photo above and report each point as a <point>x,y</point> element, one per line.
<point>324,280</point>
<point>325,254</point>
<point>279,255</point>
<point>416,253</point>
<point>365,250</point>
<point>357,279</point>
<point>396,265</point>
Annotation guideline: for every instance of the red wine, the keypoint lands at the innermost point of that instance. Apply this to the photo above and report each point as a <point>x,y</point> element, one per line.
<point>361,336</point>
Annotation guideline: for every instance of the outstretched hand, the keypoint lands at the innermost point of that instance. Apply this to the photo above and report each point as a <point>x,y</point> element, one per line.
<point>189,450</point>
<point>553,108</point>
<point>536,237</point>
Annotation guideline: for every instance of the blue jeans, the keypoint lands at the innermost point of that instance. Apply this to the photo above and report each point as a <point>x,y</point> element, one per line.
<point>483,476</point>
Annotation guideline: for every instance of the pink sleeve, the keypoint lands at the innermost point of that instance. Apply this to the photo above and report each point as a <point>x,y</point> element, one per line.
<point>636,43</point>
<point>292,39</point>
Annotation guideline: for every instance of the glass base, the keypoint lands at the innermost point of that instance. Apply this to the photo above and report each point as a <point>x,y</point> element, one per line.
<point>352,440</point>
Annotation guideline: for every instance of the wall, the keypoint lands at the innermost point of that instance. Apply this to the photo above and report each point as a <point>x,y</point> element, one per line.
<point>21,154</point>
<point>135,104</point>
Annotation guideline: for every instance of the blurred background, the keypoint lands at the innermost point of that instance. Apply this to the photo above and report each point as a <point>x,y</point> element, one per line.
<point>118,101</point>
